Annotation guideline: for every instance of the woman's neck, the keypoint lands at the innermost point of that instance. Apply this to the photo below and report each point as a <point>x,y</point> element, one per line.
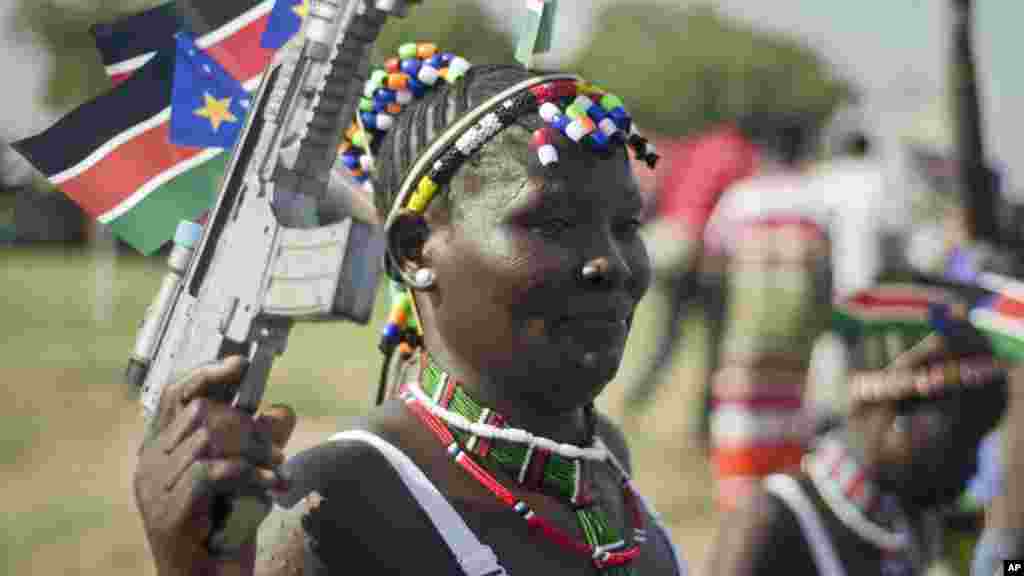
<point>569,427</point>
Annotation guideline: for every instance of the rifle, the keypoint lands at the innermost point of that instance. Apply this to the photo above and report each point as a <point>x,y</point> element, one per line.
<point>263,262</point>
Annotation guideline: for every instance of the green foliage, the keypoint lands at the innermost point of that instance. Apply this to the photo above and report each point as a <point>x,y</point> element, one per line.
<point>76,73</point>
<point>687,69</point>
<point>458,26</point>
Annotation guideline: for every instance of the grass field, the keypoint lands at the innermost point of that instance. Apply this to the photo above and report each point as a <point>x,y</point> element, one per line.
<point>70,426</point>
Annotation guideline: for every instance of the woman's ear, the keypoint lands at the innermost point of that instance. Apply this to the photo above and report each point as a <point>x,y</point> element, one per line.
<point>406,238</point>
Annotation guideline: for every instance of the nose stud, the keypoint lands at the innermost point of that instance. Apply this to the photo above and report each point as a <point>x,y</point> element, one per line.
<point>594,271</point>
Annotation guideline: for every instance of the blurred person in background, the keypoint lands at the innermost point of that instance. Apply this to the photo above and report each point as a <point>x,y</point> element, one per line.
<point>908,446</point>
<point>691,177</point>
<point>768,237</point>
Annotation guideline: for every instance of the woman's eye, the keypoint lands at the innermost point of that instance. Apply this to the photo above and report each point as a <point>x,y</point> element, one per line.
<point>629,228</point>
<point>553,227</point>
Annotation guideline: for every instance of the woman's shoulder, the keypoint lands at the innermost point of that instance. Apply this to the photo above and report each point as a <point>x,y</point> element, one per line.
<point>342,492</point>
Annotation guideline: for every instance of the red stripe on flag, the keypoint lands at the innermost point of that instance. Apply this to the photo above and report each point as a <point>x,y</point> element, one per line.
<point>241,54</point>
<point>873,300</point>
<point>119,77</point>
<point>1009,307</point>
<point>124,170</point>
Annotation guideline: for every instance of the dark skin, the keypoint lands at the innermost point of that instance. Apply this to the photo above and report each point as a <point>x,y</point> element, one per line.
<point>926,462</point>
<point>510,316</point>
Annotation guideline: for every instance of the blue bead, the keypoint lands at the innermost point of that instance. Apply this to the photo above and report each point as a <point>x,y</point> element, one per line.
<point>417,88</point>
<point>411,66</point>
<point>599,140</point>
<point>385,96</point>
<point>436,61</point>
<point>350,161</point>
<point>560,122</point>
<point>596,113</point>
<point>391,332</point>
<point>361,179</point>
<point>621,118</point>
<point>369,120</point>
<point>446,57</point>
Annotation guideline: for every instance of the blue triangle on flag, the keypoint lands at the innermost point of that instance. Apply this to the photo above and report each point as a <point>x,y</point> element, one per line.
<point>208,106</point>
<point>285,21</point>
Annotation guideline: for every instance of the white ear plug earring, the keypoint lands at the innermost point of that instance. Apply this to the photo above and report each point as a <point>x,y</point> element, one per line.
<point>423,278</point>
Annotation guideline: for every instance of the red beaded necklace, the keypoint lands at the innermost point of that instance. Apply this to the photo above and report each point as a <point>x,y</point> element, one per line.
<point>609,559</point>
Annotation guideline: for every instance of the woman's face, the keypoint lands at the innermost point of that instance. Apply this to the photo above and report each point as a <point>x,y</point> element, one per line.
<point>510,303</point>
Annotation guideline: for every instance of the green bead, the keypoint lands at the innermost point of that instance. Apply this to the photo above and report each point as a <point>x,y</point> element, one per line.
<point>454,75</point>
<point>359,139</point>
<point>366,105</point>
<point>574,111</point>
<point>377,78</point>
<point>407,51</point>
<point>611,102</point>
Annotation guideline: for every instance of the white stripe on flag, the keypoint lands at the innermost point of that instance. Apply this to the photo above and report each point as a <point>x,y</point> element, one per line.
<point>535,6</point>
<point>156,182</point>
<point>129,65</point>
<point>996,322</point>
<point>109,146</point>
<point>1008,287</point>
<point>243,20</point>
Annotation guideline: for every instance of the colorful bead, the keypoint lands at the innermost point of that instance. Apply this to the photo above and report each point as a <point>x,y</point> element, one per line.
<point>548,112</point>
<point>397,81</point>
<point>403,97</point>
<point>428,75</point>
<point>366,104</point>
<point>546,152</point>
<point>610,102</point>
<point>392,64</point>
<point>424,192</point>
<point>457,68</point>
<point>410,66</point>
<point>407,50</point>
<point>424,51</point>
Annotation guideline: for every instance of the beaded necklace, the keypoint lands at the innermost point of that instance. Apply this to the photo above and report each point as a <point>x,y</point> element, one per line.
<point>857,502</point>
<point>534,467</point>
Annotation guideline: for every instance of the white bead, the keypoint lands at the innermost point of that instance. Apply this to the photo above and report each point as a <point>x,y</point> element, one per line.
<point>404,97</point>
<point>548,111</point>
<point>428,75</point>
<point>574,131</point>
<point>366,162</point>
<point>607,125</point>
<point>583,103</point>
<point>458,66</point>
<point>385,122</point>
<point>548,154</point>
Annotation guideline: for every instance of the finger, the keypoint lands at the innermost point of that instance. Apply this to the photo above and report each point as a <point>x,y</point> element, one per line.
<point>234,475</point>
<point>187,422</point>
<point>282,421</point>
<point>214,380</point>
<point>191,451</point>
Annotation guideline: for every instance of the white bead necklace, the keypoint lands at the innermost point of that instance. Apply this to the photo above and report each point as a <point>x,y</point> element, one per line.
<point>598,452</point>
<point>849,514</point>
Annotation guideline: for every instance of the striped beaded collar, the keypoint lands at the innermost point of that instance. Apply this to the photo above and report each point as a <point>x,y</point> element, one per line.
<point>535,463</point>
<point>857,501</point>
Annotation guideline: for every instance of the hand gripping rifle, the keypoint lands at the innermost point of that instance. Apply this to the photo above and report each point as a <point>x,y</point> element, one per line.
<point>262,262</point>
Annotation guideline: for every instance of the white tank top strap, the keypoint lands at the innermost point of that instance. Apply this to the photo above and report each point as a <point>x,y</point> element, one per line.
<point>475,558</point>
<point>790,492</point>
<point>677,558</point>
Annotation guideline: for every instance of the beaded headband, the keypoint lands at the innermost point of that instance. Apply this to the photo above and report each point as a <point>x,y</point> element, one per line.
<point>924,383</point>
<point>583,121</point>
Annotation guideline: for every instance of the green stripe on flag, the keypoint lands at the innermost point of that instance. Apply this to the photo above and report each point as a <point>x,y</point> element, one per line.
<point>151,222</point>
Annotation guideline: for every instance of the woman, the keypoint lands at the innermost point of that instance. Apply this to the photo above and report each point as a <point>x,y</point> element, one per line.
<point>512,224</point>
<point>908,447</point>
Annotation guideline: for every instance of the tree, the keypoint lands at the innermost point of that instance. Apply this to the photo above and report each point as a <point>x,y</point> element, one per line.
<point>687,69</point>
<point>458,26</point>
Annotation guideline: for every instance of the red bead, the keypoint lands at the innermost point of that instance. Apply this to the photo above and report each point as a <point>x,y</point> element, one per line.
<point>540,137</point>
<point>393,64</point>
<point>543,92</point>
<point>565,89</point>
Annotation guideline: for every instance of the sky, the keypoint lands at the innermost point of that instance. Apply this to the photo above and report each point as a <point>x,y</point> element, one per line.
<point>896,50</point>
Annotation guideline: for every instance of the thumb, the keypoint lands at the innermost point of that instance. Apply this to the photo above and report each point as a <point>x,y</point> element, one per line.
<point>282,422</point>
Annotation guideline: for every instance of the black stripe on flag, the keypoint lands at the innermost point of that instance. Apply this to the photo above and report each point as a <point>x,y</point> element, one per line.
<point>137,34</point>
<point>204,16</point>
<point>83,130</point>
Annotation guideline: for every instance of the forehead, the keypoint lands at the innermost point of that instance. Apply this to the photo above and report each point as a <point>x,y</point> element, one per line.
<point>581,181</point>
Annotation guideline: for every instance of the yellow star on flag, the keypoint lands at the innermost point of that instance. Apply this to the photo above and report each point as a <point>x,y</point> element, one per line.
<point>216,111</point>
<point>301,9</point>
